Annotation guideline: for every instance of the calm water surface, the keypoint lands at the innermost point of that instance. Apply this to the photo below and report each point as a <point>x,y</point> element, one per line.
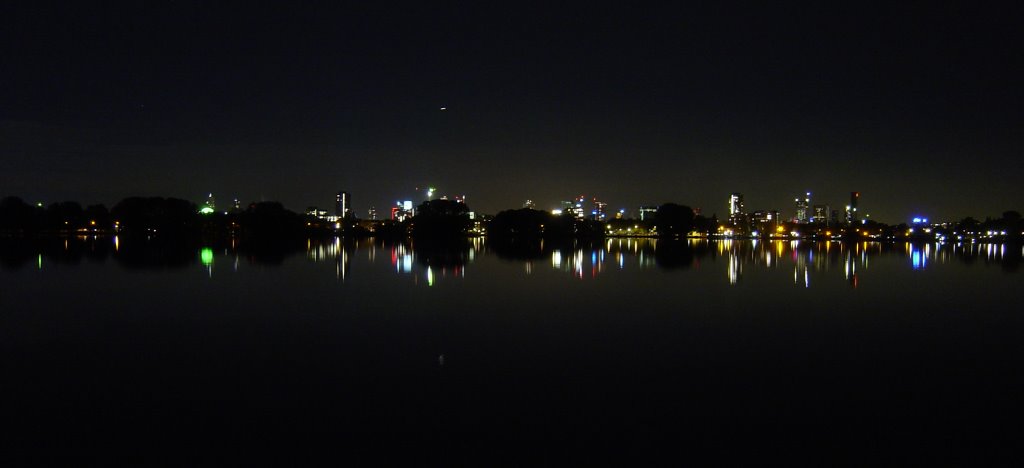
<point>486,353</point>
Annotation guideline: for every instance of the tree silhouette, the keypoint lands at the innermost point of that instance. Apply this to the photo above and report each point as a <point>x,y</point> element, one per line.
<point>521,223</point>
<point>441,218</point>
<point>15,214</point>
<point>155,215</point>
<point>673,220</point>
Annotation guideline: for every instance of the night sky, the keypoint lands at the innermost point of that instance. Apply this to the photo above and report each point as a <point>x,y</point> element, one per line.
<point>918,106</point>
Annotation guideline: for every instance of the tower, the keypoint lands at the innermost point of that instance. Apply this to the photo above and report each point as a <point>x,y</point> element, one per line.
<point>851,209</point>
<point>802,206</point>
<point>736,204</point>
<point>343,205</point>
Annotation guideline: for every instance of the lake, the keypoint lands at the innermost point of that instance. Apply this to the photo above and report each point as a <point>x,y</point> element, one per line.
<point>511,353</point>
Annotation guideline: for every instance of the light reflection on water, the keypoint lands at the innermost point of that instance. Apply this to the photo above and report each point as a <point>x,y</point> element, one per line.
<point>430,263</point>
<point>586,261</point>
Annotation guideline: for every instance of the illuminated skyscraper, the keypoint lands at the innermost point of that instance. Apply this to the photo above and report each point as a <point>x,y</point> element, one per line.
<point>851,209</point>
<point>736,204</point>
<point>599,212</point>
<point>576,208</point>
<point>737,214</point>
<point>343,205</point>
<point>820,214</point>
<point>802,208</point>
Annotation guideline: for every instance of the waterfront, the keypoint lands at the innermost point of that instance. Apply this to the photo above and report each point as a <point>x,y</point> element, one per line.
<point>480,350</point>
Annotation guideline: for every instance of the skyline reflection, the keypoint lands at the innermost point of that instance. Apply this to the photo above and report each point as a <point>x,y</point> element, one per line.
<point>429,263</point>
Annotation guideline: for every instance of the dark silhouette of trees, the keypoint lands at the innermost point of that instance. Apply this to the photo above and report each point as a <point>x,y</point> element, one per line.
<point>705,224</point>
<point>16,215</point>
<point>673,220</point>
<point>441,218</point>
<point>522,223</point>
<point>99,216</point>
<point>268,220</point>
<point>64,215</point>
<point>155,216</point>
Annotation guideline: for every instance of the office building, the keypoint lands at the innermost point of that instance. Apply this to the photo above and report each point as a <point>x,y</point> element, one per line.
<point>343,205</point>
<point>851,209</point>
<point>802,208</point>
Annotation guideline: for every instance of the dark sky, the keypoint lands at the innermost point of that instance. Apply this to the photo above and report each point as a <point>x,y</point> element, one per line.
<point>919,106</point>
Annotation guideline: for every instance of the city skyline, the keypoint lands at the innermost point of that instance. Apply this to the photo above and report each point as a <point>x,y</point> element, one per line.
<point>916,107</point>
<point>804,208</point>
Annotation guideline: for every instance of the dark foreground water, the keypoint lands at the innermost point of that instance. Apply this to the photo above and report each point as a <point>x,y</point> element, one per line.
<point>777,352</point>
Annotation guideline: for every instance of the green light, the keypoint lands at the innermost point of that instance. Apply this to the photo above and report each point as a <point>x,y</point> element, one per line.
<point>206,210</point>
<point>40,261</point>
<point>206,256</point>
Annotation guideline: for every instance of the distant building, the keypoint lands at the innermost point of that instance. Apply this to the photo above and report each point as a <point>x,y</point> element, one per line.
<point>820,214</point>
<point>599,212</point>
<point>528,204</point>
<point>647,213</point>
<point>760,219</point>
<point>737,213</point>
<point>372,213</point>
<point>209,206</point>
<point>736,204</point>
<point>343,205</point>
<point>575,208</point>
<point>402,210</point>
<point>316,212</point>
<point>802,205</point>
<point>851,209</point>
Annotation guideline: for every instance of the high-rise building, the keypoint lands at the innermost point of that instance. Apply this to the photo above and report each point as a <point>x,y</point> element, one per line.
<point>343,205</point>
<point>576,209</point>
<point>802,214</point>
<point>820,214</point>
<point>529,204</point>
<point>599,212</point>
<point>737,213</point>
<point>402,210</point>
<point>851,209</point>
<point>736,204</point>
